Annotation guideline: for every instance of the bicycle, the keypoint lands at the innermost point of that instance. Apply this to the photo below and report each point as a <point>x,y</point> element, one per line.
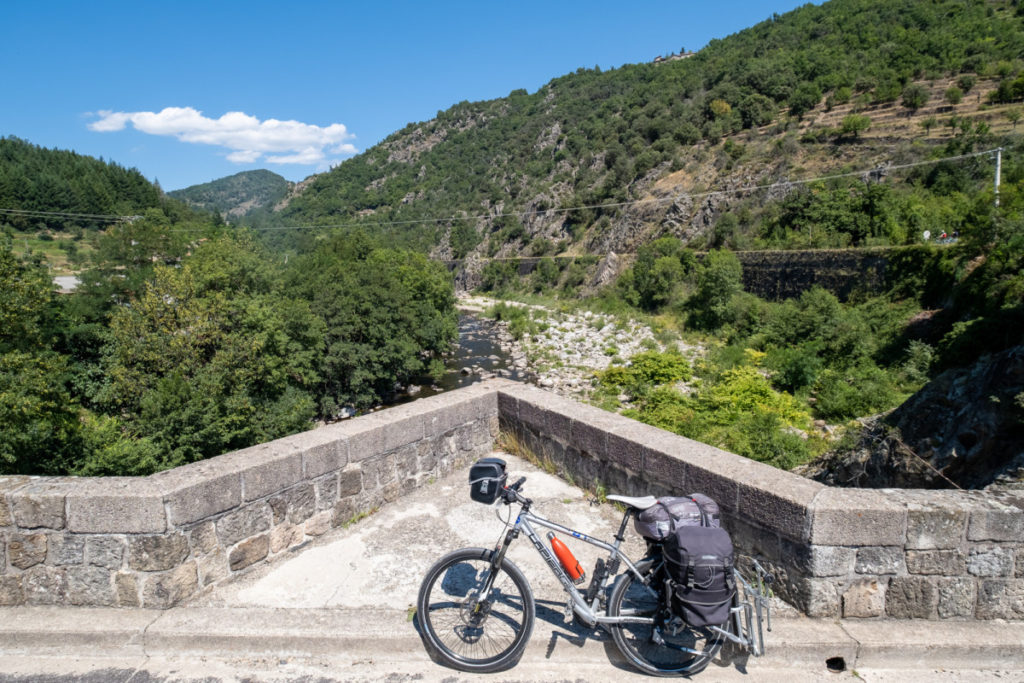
<point>476,609</point>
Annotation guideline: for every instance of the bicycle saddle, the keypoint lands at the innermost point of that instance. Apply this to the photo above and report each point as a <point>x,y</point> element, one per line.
<point>639,502</point>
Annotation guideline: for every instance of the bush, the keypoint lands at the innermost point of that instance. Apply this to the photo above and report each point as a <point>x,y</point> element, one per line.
<point>862,390</point>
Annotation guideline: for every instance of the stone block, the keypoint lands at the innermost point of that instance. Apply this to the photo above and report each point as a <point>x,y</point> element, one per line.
<point>383,431</point>
<point>285,536</point>
<point>350,482</point>
<point>319,524</point>
<point>90,586</point>
<point>167,589</point>
<point>820,598</point>
<point>243,523</point>
<point>508,408</point>
<point>199,490</point>
<point>326,491</point>
<point>1000,523</point>
<point>938,562</point>
<point>116,505</point>
<point>864,599</point>
<point>993,561</point>
<point>379,471</point>
<point>956,597</point>
<point>157,552</point>
<point>26,550</point>
<point>212,567</point>
<point>1000,599</point>
<point>664,469</point>
<point>202,539</point>
<point>45,585</point>
<point>126,586</point>
<point>8,485</point>
<point>623,449</point>
<point>879,561</point>
<point>830,560</point>
<point>271,471</point>
<point>323,450</point>
<point>40,505</point>
<point>590,436</point>
<point>778,500</point>
<point>1019,572</point>
<point>857,517</point>
<point>935,527</point>
<point>301,503</point>
<point>65,550</point>
<point>911,597</point>
<point>11,591</point>
<point>533,416</point>
<point>248,553</point>
<point>105,551</point>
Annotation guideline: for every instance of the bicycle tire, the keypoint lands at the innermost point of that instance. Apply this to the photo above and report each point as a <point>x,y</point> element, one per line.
<point>468,634</point>
<point>688,651</point>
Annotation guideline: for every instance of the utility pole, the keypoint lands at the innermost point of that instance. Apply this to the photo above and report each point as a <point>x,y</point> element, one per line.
<point>999,170</point>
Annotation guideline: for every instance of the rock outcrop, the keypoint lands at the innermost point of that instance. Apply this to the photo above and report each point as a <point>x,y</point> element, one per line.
<point>964,428</point>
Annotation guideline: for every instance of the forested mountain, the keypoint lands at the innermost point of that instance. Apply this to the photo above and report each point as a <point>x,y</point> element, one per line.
<point>34,179</point>
<point>843,86</point>
<point>237,195</point>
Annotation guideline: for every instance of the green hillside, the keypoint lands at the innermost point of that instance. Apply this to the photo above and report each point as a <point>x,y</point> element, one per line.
<point>913,80</point>
<point>237,195</point>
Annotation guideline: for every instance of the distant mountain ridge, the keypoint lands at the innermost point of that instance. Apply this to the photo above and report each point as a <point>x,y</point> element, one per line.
<point>237,195</point>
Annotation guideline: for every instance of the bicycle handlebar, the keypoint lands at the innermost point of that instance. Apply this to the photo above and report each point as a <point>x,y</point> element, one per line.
<point>511,493</point>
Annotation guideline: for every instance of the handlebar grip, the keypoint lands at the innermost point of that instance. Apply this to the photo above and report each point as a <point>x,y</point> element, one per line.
<point>519,482</point>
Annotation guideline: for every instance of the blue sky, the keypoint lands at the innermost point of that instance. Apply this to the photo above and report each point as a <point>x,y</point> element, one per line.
<point>192,91</point>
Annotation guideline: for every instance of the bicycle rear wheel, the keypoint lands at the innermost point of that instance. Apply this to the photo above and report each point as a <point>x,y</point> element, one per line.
<point>466,628</point>
<point>682,649</point>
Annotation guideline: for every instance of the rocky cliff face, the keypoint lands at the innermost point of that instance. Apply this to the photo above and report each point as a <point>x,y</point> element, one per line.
<point>965,428</point>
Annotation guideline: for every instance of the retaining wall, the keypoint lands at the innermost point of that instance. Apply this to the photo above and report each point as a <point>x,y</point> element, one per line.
<point>155,541</point>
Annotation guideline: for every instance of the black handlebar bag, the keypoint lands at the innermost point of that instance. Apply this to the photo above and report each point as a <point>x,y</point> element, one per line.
<point>700,565</point>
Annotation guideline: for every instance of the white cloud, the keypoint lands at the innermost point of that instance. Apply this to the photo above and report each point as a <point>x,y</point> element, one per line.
<point>284,142</point>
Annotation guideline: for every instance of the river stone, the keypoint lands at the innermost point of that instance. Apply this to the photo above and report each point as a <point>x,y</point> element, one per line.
<point>26,550</point>
<point>157,553</point>
<point>203,538</point>
<point>90,586</point>
<point>285,536</point>
<point>212,567</point>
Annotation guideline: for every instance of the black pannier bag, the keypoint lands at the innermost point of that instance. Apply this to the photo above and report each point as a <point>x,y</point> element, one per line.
<point>486,479</point>
<point>700,563</point>
<point>657,522</point>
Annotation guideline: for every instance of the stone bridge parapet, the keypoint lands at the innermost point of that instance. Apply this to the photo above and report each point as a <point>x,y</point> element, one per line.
<point>156,541</point>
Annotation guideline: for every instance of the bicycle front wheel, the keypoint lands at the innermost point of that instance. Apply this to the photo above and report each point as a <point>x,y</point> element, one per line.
<point>468,625</point>
<point>656,644</point>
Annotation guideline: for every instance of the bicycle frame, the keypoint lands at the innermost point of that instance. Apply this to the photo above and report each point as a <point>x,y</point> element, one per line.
<point>744,626</point>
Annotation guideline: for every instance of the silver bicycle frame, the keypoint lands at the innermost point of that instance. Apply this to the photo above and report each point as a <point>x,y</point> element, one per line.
<point>586,612</point>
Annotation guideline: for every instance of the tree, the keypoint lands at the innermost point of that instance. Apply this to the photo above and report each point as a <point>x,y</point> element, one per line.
<point>804,98</point>
<point>854,124</point>
<point>928,124</point>
<point>1013,116</point>
<point>719,278</point>
<point>915,96</point>
<point>954,95</point>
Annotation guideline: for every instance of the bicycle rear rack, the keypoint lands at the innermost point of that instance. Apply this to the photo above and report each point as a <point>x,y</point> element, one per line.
<point>747,619</point>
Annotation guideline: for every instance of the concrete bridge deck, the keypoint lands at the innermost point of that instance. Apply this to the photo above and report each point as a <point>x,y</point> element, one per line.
<point>340,609</point>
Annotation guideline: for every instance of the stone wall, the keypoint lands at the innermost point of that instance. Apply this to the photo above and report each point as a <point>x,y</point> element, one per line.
<point>835,552</point>
<point>155,541</point>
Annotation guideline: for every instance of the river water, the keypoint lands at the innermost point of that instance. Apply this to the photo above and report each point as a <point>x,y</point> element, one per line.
<point>478,352</point>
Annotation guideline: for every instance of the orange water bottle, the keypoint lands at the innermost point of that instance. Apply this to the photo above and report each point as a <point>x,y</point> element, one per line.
<point>569,563</point>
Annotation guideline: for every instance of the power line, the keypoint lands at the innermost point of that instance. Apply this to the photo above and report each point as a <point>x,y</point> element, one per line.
<point>524,214</point>
<point>634,202</point>
<point>27,213</point>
